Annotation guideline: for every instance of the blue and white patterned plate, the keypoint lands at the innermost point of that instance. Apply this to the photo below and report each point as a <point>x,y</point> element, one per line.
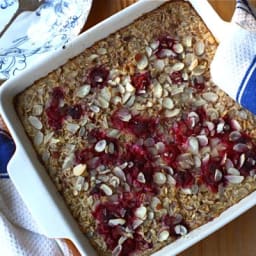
<point>34,35</point>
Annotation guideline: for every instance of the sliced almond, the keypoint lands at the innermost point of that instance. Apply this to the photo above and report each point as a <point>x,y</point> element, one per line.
<point>155,203</point>
<point>202,139</point>
<point>233,171</point>
<point>240,147</point>
<point>149,51</point>
<point>68,161</point>
<point>193,145</point>
<point>38,139</point>
<point>106,93</point>
<point>160,146</point>
<point>187,41</point>
<point>241,160</point>
<point>79,169</point>
<point>35,122</point>
<point>157,90</point>
<point>172,113</point>
<point>136,223</point>
<point>129,87</point>
<point>199,70</point>
<point>115,222</point>
<point>94,108</point>
<point>191,61</point>
<point>159,178</point>
<point>86,186</point>
<point>73,128</point>
<point>210,96</point>
<point>93,57</point>
<point>102,102</point>
<point>217,175</point>
<point>79,184</point>
<point>234,179</point>
<point>178,66</point>
<point>37,110</point>
<point>114,181</point>
<point>141,61</point>
<point>165,53</point>
<point>100,146</point>
<point>116,100</point>
<point>117,250</point>
<point>130,102</point>
<point>83,91</point>
<point>163,235</point>
<point>168,103</point>
<point>124,114</point>
<point>159,65</point>
<point>178,48</point>
<point>119,173</point>
<point>235,125</point>
<point>220,127</point>
<point>106,189</point>
<point>234,136</point>
<point>101,51</point>
<point>154,45</point>
<point>199,48</point>
<point>141,212</point>
<point>141,177</point>
<point>180,230</point>
<point>126,97</point>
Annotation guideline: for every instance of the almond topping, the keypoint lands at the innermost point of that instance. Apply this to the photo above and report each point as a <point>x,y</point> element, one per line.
<point>141,212</point>
<point>79,169</point>
<point>106,189</point>
<point>163,236</point>
<point>159,178</point>
<point>35,122</point>
<point>115,222</point>
<point>100,146</point>
<point>180,230</point>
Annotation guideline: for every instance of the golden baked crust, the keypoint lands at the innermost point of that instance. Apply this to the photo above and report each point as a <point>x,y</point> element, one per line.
<point>138,140</point>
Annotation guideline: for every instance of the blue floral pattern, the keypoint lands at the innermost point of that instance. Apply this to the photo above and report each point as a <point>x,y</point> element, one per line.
<point>50,27</point>
<point>5,4</point>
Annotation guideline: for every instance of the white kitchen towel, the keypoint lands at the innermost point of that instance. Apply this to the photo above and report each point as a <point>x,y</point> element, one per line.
<point>234,66</point>
<point>19,233</point>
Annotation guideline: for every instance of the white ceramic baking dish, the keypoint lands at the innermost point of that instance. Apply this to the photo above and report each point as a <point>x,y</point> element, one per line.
<point>30,177</point>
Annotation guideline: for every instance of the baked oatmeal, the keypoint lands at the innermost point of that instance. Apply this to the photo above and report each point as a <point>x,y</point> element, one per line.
<point>140,143</point>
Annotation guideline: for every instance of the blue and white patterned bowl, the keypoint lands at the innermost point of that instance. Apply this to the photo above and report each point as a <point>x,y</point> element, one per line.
<point>33,35</point>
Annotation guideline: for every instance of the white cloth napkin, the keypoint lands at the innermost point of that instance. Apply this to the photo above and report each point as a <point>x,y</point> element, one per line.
<point>19,234</point>
<point>234,66</point>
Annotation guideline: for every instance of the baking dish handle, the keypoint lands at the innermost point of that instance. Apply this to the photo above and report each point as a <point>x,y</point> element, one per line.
<point>215,24</point>
<point>45,204</point>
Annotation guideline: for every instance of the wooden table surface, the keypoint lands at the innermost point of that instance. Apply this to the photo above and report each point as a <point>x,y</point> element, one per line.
<point>239,237</point>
